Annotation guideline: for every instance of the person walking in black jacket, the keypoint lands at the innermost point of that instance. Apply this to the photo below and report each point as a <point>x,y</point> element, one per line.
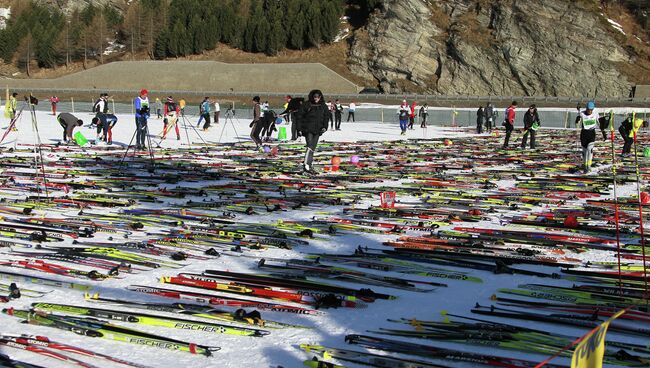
<point>480,113</point>
<point>338,112</point>
<point>531,124</point>
<point>293,104</point>
<point>257,123</point>
<point>313,117</point>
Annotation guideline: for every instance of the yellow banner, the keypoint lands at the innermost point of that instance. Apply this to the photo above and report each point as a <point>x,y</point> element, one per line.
<point>589,352</point>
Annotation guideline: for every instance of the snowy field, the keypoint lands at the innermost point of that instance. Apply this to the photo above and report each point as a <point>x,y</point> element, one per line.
<point>280,348</point>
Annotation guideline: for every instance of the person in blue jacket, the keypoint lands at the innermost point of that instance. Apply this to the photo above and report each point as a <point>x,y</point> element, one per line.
<point>141,115</point>
<point>205,112</point>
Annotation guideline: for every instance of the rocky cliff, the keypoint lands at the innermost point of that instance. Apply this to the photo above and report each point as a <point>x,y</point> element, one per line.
<point>502,47</point>
<point>68,6</point>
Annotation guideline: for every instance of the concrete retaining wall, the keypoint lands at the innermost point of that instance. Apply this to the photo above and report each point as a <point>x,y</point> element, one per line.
<point>198,76</point>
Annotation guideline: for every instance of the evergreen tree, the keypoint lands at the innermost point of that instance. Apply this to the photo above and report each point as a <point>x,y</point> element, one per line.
<point>88,13</point>
<point>213,31</point>
<point>161,48</point>
<point>230,25</point>
<point>313,25</point>
<point>330,21</point>
<point>113,18</point>
<point>277,37</point>
<point>3,45</point>
<point>262,28</point>
<point>250,29</point>
<point>196,32</point>
<point>296,24</point>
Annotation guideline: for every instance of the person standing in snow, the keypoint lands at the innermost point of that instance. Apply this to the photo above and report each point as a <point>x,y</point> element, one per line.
<point>68,122</point>
<point>205,108</point>
<point>54,101</point>
<point>351,109</point>
<point>489,116</point>
<point>330,108</point>
<point>338,113</point>
<point>313,119</point>
<point>531,124</point>
<point>287,117</point>
<point>292,106</point>
<point>104,120</point>
<point>159,107</point>
<point>141,105</point>
<point>256,125</point>
<point>100,108</point>
<point>480,115</point>
<point>11,106</point>
<point>172,112</point>
<point>201,113</point>
<point>509,122</point>
<point>414,105</point>
<point>403,113</point>
<point>588,121</point>
<point>181,104</point>
<point>217,111</point>
<point>424,113</point>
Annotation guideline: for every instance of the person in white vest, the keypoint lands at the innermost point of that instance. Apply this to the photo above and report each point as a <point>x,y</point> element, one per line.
<point>217,110</point>
<point>351,109</point>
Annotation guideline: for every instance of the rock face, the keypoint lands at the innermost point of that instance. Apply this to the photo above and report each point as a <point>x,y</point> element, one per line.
<point>68,6</point>
<point>503,47</point>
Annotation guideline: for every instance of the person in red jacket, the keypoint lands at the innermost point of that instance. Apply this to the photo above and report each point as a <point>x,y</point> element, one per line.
<point>54,100</point>
<point>414,106</point>
<point>509,122</point>
<point>172,112</point>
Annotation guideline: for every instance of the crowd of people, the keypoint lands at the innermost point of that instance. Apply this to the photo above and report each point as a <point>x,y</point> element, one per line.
<point>311,117</point>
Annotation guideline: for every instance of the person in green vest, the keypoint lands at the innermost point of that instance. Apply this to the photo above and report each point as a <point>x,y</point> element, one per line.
<point>589,122</point>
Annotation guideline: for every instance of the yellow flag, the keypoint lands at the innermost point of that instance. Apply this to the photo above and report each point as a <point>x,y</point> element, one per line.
<point>589,352</point>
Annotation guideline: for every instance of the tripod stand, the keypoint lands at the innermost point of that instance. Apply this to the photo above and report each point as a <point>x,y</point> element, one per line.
<point>38,152</point>
<point>187,123</point>
<point>228,118</point>
<point>152,168</point>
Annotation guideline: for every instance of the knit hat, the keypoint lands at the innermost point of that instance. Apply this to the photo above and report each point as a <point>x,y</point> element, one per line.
<point>144,92</point>
<point>170,99</point>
